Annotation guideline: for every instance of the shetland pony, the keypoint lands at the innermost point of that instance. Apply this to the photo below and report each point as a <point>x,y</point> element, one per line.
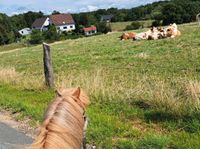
<point>64,122</point>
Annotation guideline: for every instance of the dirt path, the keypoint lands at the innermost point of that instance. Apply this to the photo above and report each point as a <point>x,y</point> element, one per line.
<point>17,49</point>
<point>10,51</point>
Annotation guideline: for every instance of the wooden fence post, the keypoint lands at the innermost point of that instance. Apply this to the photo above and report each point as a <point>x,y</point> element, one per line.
<point>48,69</point>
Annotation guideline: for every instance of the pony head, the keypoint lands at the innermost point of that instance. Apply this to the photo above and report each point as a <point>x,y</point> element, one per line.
<point>79,96</point>
<point>64,121</point>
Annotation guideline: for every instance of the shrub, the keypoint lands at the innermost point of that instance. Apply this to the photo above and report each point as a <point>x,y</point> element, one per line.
<point>36,37</point>
<point>103,27</point>
<point>134,25</point>
<point>51,34</point>
<point>156,23</point>
<point>70,35</point>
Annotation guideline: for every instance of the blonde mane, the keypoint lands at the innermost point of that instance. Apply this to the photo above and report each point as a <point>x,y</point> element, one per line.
<point>63,122</point>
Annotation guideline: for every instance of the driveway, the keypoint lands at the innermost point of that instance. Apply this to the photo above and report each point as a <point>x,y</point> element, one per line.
<point>10,138</point>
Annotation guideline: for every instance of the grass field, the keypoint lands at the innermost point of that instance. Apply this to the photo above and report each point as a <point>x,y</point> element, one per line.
<point>144,94</point>
<point>12,46</point>
<point>120,26</point>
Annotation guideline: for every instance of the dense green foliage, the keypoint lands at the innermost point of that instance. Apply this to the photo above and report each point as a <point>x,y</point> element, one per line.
<point>178,11</point>
<point>9,26</point>
<point>164,12</point>
<point>7,35</point>
<point>50,36</point>
<point>25,20</point>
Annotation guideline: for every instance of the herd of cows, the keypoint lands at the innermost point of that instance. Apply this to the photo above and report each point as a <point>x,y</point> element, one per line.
<point>154,33</point>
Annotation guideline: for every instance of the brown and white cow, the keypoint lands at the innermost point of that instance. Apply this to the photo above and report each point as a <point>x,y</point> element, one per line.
<point>172,31</point>
<point>129,35</point>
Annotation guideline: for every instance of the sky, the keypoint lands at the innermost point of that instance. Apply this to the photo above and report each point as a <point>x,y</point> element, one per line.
<point>11,7</point>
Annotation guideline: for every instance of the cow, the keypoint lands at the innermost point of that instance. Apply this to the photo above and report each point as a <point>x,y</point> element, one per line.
<point>129,35</point>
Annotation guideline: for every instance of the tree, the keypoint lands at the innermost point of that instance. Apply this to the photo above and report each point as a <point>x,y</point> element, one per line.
<point>30,17</point>
<point>84,20</point>
<point>103,27</point>
<point>172,13</point>
<point>51,34</point>
<point>156,23</point>
<point>6,30</point>
<point>36,37</point>
<point>55,12</point>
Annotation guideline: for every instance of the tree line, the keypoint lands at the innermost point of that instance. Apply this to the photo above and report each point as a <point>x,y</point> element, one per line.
<point>163,12</point>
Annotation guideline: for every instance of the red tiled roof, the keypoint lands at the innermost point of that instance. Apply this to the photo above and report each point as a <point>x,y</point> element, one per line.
<point>62,19</point>
<point>92,28</point>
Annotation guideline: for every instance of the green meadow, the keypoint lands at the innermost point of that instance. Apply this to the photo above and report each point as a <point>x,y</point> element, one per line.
<point>120,26</point>
<point>144,94</point>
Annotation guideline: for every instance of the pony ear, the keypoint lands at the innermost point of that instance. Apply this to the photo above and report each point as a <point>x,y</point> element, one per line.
<point>58,92</point>
<point>77,92</point>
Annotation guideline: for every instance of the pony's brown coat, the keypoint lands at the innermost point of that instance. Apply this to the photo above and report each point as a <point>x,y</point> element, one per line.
<point>63,123</point>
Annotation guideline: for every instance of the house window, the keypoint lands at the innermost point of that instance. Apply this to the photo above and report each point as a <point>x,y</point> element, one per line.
<point>71,26</point>
<point>65,27</point>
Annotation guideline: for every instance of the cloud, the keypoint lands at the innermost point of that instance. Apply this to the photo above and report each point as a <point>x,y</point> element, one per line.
<point>92,8</point>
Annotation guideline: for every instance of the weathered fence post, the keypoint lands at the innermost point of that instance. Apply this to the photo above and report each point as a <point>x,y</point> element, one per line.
<point>198,18</point>
<point>48,69</point>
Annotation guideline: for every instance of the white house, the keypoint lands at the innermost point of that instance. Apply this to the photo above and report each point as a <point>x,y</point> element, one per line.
<point>41,24</point>
<point>25,31</point>
<point>90,30</point>
<point>63,22</point>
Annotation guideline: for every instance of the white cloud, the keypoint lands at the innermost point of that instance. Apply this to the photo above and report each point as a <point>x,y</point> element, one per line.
<point>92,8</point>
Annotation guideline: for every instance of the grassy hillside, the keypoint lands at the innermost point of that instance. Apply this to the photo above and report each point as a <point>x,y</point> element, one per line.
<point>145,94</point>
<point>120,26</point>
<point>11,46</point>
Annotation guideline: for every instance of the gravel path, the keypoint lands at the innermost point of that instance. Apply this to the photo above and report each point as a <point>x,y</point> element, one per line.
<point>10,138</point>
<point>13,133</point>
